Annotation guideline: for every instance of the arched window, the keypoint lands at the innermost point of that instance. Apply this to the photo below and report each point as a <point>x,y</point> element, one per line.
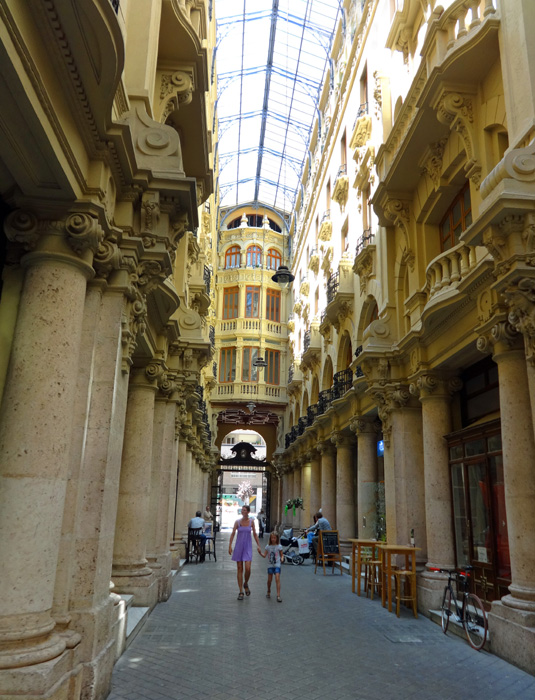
<point>232,257</point>
<point>254,256</point>
<point>273,259</point>
<point>457,219</point>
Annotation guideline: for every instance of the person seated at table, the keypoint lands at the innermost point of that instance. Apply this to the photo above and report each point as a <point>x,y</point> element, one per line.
<point>321,523</point>
<point>207,515</point>
<point>196,523</point>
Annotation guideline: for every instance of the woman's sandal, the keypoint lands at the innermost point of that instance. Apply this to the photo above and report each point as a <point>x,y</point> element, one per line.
<point>240,596</point>
<point>246,588</point>
<point>268,595</point>
<point>279,599</point>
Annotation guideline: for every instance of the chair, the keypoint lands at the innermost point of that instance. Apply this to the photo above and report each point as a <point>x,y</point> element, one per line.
<point>406,589</point>
<point>373,574</point>
<point>209,545</point>
<point>195,546</point>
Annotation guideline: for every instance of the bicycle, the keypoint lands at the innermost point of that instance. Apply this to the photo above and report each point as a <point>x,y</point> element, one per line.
<point>471,614</point>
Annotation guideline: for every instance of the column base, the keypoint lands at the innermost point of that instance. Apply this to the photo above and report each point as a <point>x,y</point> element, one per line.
<point>161,568</point>
<point>51,680</point>
<point>512,635</point>
<point>430,587</point>
<point>143,586</point>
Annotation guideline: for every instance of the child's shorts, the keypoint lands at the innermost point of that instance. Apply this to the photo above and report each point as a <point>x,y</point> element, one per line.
<point>274,570</point>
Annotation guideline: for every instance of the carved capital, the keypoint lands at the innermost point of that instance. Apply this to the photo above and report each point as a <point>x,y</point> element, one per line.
<point>324,447</point>
<point>501,336</point>
<point>434,385</point>
<point>22,227</point>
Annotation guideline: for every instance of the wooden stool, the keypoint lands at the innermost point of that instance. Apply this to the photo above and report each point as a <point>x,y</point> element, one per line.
<point>406,589</point>
<point>373,578</point>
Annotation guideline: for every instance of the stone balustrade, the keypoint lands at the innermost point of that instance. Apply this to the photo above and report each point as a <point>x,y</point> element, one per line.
<point>449,268</point>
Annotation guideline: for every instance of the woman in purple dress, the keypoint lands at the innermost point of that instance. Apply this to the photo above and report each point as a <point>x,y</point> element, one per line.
<point>243,551</point>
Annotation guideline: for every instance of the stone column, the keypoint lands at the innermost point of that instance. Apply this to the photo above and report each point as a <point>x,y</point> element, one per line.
<point>163,475</point>
<point>184,468</point>
<point>130,572</point>
<point>297,493</point>
<point>315,483</point>
<point>435,396</point>
<point>100,423</point>
<point>512,619</point>
<point>404,471</point>
<point>35,437</point>
<point>287,479</point>
<point>306,515</point>
<point>345,490</point>
<point>328,481</point>
<point>367,479</point>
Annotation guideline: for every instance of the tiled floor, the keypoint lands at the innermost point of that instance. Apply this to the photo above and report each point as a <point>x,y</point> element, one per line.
<point>322,642</point>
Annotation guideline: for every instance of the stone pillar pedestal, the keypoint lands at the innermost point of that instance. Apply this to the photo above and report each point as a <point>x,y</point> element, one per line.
<point>328,481</point>
<point>366,477</point>
<point>435,397</point>
<point>184,465</point>
<point>345,491</point>
<point>130,572</point>
<point>35,438</point>
<point>512,620</point>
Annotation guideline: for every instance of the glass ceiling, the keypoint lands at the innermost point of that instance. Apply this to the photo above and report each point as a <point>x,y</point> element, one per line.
<point>271,58</point>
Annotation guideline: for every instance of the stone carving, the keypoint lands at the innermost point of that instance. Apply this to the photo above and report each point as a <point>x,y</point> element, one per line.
<point>518,164</point>
<point>521,301</point>
<point>22,227</point>
<point>377,95</point>
<point>150,209</point>
<point>363,132</point>
<point>83,233</point>
<point>456,111</point>
<point>107,258</point>
<point>364,266</point>
<point>433,161</point>
<point>178,83</point>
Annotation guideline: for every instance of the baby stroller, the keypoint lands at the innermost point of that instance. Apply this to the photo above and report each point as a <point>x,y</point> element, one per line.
<point>296,549</point>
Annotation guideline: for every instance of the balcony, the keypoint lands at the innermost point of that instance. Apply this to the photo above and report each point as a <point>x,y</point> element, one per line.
<point>364,263</point>
<point>324,401</point>
<point>341,186</point>
<point>358,369</point>
<point>259,391</point>
<point>311,347</point>
<point>326,227</point>
<point>295,378</point>
<point>340,294</point>
<point>199,288</point>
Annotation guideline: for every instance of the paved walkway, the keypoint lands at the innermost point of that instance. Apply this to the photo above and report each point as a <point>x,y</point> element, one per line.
<point>322,642</point>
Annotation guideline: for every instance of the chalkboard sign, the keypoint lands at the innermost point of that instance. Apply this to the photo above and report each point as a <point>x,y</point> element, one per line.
<point>329,541</point>
<point>328,550</point>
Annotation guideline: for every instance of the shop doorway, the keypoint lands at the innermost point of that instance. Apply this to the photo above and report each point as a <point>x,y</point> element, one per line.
<point>480,522</point>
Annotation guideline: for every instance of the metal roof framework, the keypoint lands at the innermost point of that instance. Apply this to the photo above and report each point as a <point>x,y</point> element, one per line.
<point>271,58</point>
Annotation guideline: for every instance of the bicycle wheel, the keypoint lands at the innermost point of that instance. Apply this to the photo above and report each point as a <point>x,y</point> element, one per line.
<point>475,622</point>
<point>447,609</point>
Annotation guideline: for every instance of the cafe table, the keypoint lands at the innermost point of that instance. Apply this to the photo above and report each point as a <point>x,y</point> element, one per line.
<point>357,558</point>
<point>389,551</point>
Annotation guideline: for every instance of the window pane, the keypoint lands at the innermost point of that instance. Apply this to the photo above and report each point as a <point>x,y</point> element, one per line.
<point>456,212</point>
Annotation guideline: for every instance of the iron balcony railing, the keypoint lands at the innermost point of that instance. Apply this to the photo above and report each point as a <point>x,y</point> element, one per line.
<point>343,381</point>
<point>333,285</point>
<point>306,341</point>
<point>290,374</point>
<point>214,369</point>
<point>301,425</point>
<point>358,371</point>
<point>312,412</point>
<point>115,5</point>
<point>211,336</point>
<point>362,111</point>
<point>326,216</point>
<point>324,401</point>
<point>207,276</point>
<point>366,239</point>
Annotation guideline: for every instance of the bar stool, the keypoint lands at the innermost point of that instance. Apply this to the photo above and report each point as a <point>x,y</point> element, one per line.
<point>406,589</point>
<point>373,575</point>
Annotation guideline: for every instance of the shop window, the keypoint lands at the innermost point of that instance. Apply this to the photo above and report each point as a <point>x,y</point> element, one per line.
<point>227,365</point>
<point>457,219</point>
<point>254,256</point>
<point>252,302</point>
<point>273,305</point>
<point>273,367</point>
<point>249,371</point>
<point>480,394</point>
<point>230,302</point>
<point>232,257</point>
<point>273,259</point>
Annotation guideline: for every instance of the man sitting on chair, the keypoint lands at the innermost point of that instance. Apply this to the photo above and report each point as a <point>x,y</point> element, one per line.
<point>320,524</point>
<point>196,523</point>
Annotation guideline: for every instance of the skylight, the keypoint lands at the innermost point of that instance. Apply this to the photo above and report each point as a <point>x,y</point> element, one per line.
<point>271,60</point>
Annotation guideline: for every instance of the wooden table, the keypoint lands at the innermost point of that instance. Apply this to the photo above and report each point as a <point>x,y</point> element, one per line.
<point>390,550</point>
<point>357,546</point>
